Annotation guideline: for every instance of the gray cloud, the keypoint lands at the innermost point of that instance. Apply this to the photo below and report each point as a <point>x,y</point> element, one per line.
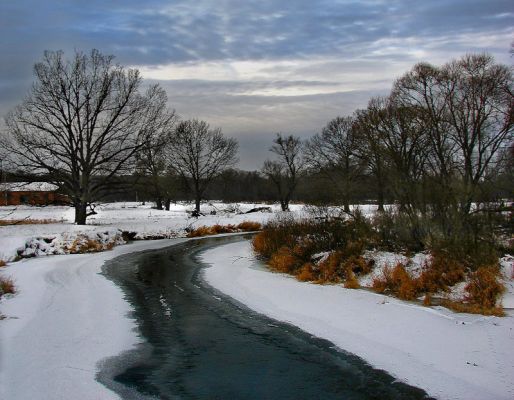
<point>361,47</point>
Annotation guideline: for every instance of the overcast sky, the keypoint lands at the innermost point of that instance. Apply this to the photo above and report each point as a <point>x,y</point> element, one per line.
<point>254,68</point>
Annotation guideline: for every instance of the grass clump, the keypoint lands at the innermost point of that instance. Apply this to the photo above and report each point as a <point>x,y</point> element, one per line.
<point>27,221</point>
<point>6,286</point>
<point>246,226</point>
<point>396,281</point>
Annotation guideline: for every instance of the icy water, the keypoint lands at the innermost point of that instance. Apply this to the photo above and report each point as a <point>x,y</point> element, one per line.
<point>204,345</point>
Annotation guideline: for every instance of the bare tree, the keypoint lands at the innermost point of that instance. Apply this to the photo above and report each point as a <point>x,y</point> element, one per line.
<point>285,172</point>
<point>371,150</point>
<point>199,154</point>
<point>333,152</point>
<point>468,108</point>
<point>152,162</point>
<point>82,123</point>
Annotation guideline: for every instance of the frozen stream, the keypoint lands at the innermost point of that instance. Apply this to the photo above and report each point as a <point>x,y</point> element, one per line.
<point>203,344</point>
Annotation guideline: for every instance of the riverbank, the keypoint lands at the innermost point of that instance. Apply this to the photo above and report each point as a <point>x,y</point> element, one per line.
<point>64,319</point>
<point>451,356</point>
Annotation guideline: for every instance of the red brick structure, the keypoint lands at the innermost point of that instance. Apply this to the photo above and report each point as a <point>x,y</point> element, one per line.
<point>30,193</point>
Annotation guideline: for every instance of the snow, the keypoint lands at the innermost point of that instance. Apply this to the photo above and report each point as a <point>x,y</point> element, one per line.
<point>147,222</point>
<point>64,320</point>
<point>58,326</point>
<point>450,355</point>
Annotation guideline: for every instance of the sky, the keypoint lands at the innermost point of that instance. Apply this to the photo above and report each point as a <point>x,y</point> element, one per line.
<point>255,68</point>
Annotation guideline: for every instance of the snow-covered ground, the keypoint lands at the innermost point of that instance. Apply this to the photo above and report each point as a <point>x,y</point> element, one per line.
<point>451,356</point>
<point>58,326</point>
<point>112,217</point>
<point>64,319</point>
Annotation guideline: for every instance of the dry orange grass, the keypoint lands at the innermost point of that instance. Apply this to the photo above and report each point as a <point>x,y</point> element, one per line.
<point>440,273</point>
<point>80,246</point>
<point>28,221</point>
<point>2,263</point>
<point>307,273</point>
<point>249,226</point>
<point>246,226</point>
<point>473,308</point>
<point>284,261</point>
<point>484,287</point>
<point>396,281</point>
<point>351,281</point>
<point>6,286</point>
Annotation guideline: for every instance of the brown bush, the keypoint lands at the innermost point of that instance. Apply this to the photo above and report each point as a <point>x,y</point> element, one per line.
<point>440,273</point>
<point>331,269</point>
<point>86,245</point>
<point>27,221</point>
<point>249,226</point>
<point>284,261</point>
<point>358,265</point>
<point>263,245</point>
<point>396,281</point>
<point>351,281</point>
<point>2,263</point>
<point>200,231</point>
<point>473,308</point>
<point>218,229</point>
<point>484,287</point>
<point>307,273</point>
<point>6,286</point>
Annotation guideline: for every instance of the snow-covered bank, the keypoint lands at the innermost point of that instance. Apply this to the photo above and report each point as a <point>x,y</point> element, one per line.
<point>451,356</point>
<point>64,320</point>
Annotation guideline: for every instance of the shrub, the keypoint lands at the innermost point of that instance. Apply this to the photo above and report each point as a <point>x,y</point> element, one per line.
<point>472,308</point>
<point>307,273</point>
<point>27,221</point>
<point>6,286</point>
<point>249,226</point>
<point>263,246</point>
<point>396,281</point>
<point>396,231</point>
<point>331,269</point>
<point>2,263</point>
<point>284,261</point>
<point>441,272</point>
<point>351,281</point>
<point>358,265</point>
<point>484,287</point>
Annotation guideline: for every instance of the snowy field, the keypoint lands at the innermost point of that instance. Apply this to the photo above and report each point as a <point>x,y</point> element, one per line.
<point>57,326</point>
<point>112,217</point>
<point>451,356</point>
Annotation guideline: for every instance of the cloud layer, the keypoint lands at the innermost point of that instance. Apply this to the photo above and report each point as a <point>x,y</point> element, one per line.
<point>255,68</point>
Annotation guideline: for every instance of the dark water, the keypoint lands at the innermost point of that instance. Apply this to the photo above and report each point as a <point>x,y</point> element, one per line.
<point>204,345</point>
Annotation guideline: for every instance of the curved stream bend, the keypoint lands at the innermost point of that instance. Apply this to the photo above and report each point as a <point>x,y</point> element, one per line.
<point>203,344</point>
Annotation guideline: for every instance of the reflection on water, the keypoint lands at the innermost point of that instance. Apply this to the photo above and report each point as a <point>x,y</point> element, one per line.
<point>206,346</point>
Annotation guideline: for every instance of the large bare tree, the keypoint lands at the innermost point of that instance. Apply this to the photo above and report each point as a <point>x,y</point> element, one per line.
<point>285,171</point>
<point>468,117</point>
<point>199,154</point>
<point>82,123</point>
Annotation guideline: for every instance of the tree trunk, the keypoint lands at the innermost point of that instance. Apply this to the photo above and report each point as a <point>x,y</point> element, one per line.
<point>380,196</point>
<point>167,203</point>
<point>284,205</point>
<point>80,213</point>
<point>197,203</point>
<point>158,203</point>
